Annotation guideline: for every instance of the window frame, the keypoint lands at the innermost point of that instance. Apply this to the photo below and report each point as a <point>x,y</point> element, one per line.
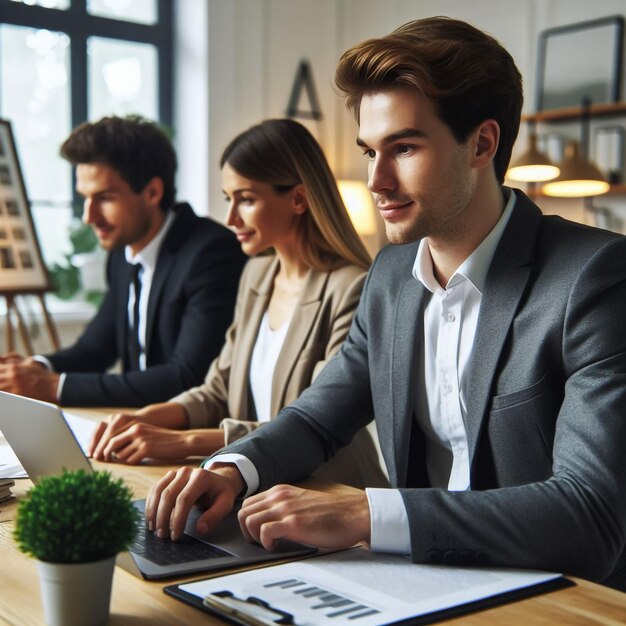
<point>79,25</point>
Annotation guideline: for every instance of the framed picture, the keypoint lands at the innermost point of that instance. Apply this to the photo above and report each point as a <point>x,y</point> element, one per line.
<point>579,62</point>
<point>22,269</point>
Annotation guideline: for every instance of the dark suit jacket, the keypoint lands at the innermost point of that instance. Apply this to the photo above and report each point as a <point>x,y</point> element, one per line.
<point>191,304</point>
<point>546,418</point>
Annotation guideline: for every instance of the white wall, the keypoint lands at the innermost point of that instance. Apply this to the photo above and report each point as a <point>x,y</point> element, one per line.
<point>254,47</point>
<point>236,61</point>
<point>191,102</point>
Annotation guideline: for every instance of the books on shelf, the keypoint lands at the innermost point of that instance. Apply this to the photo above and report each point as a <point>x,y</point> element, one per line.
<point>5,488</point>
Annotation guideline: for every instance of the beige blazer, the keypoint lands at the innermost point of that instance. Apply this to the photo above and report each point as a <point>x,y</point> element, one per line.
<point>319,325</point>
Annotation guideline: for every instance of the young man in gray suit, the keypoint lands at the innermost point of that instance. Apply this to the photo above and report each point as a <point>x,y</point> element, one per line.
<point>172,278</point>
<point>489,346</point>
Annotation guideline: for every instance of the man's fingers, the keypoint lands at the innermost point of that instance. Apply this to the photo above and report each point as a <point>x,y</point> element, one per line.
<point>154,496</point>
<point>263,509</point>
<point>168,501</point>
<point>220,507</point>
<point>271,532</point>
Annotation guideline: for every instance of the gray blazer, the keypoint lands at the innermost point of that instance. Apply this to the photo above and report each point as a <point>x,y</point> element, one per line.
<point>546,419</point>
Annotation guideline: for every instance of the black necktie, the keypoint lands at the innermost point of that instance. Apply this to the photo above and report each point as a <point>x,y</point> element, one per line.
<point>134,347</point>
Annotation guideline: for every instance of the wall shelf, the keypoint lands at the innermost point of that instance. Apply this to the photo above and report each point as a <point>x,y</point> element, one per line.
<point>574,113</point>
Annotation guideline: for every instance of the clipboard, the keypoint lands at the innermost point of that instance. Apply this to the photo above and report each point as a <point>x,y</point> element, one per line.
<point>250,611</point>
<point>232,604</point>
<point>248,618</point>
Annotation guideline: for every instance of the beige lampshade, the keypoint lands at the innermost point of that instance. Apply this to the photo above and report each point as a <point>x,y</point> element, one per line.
<point>360,204</point>
<point>533,165</point>
<point>578,178</point>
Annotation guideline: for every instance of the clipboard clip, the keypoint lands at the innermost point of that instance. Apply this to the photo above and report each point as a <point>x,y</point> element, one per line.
<point>250,612</point>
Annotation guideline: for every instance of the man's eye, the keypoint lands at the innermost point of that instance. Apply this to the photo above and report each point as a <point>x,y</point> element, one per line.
<point>403,149</point>
<point>370,154</point>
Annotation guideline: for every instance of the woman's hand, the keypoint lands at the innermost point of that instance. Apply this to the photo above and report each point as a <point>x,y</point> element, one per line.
<point>168,415</point>
<point>105,431</point>
<point>130,440</point>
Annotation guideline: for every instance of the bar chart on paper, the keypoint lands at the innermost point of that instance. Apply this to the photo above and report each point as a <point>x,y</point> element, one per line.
<point>357,587</point>
<point>329,603</point>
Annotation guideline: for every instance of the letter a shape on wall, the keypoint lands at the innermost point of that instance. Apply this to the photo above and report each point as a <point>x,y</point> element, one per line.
<point>304,80</point>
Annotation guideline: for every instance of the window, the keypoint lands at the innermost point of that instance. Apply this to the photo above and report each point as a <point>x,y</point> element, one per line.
<point>65,61</point>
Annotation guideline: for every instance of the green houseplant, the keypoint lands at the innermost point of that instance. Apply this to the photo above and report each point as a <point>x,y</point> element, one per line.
<point>75,524</point>
<point>73,274</point>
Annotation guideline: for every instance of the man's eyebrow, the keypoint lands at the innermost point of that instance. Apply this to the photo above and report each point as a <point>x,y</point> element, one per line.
<point>405,133</point>
<point>99,192</point>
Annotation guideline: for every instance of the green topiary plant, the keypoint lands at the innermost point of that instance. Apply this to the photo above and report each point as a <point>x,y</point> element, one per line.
<point>76,517</point>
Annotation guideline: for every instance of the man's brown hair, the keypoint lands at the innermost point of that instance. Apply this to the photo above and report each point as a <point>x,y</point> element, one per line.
<point>465,73</point>
<point>137,149</point>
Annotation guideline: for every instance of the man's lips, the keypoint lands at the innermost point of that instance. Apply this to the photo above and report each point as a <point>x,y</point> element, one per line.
<point>102,231</point>
<point>392,210</point>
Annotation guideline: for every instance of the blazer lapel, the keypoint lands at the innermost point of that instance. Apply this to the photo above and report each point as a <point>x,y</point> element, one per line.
<point>298,333</point>
<point>407,333</point>
<point>505,284</point>
<point>165,262</point>
<point>256,303</point>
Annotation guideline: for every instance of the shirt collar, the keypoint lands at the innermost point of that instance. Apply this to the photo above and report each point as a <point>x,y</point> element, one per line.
<point>476,266</point>
<point>147,256</point>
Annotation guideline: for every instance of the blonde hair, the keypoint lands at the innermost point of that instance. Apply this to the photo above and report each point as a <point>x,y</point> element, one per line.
<point>283,153</point>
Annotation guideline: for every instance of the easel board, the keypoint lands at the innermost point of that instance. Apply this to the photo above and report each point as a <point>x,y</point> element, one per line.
<point>22,270</point>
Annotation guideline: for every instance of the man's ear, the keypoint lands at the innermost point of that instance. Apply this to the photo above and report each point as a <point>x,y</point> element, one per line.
<point>153,191</point>
<point>300,199</point>
<point>486,138</point>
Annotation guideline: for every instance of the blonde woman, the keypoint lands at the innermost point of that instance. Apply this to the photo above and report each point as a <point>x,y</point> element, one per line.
<point>295,304</point>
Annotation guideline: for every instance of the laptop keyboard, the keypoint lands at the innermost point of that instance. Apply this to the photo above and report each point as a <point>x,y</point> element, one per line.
<point>166,552</point>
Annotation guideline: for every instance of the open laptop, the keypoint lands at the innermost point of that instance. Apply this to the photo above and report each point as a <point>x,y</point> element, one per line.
<point>44,443</point>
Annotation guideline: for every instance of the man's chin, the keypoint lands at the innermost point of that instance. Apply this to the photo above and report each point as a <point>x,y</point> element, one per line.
<point>107,244</point>
<point>398,234</point>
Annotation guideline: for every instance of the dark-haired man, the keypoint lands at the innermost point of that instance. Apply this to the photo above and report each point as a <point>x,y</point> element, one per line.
<point>172,278</point>
<point>489,345</point>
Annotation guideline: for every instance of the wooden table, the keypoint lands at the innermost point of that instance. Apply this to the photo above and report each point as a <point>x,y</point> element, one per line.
<point>140,602</point>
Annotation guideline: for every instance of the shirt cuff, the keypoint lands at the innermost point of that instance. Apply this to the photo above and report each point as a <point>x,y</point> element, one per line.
<point>62,378</point>
<point>244,465</point>
<point>45,362</point>
<point>389,522</point>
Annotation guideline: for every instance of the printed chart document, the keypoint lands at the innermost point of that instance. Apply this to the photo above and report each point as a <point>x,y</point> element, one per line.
<point>354,587</point>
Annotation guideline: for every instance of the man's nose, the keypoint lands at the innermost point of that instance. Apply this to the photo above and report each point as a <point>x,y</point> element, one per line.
<point>89,211</point>
<point>381,176</point>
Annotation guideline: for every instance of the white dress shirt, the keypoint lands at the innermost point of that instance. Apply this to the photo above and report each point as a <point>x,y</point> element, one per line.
<point>148,258</point>
<point>449,326</point>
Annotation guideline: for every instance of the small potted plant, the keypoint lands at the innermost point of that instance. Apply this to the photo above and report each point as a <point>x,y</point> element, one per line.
<point>75,524</point>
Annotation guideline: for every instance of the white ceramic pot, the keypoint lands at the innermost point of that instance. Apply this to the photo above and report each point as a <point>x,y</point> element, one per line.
<point>76,594</point>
